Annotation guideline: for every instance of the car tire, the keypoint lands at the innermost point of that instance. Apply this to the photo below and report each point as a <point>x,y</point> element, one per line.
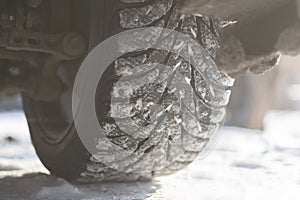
<point>54,135</point>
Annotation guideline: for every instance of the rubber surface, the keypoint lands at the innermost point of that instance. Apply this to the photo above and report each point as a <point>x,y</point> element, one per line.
<point>161,144</point>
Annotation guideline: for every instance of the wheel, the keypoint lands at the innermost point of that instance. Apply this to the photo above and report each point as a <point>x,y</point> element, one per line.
<point>52,129</point>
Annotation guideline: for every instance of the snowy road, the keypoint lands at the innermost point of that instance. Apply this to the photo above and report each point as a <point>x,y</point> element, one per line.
<point>244,165</point>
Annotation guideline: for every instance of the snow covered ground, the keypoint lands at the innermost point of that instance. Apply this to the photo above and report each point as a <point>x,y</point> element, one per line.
<point>245,164</point>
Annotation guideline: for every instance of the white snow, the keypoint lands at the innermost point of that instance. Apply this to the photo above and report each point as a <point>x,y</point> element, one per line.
<point>245,164</point>
<point>19,153</point>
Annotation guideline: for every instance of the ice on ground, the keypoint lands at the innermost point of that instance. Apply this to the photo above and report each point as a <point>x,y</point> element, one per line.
<point>245,164</point>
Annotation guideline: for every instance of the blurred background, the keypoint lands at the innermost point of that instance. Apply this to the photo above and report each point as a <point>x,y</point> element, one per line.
<point>254,96</point>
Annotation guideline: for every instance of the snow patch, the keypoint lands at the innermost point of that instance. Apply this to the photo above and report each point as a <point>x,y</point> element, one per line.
<point>245,164</point>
